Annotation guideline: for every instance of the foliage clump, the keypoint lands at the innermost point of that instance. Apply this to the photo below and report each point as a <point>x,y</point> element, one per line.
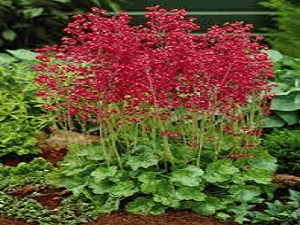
<point>165,104</point>
<point>285,106</point>
<point>285,146</point>
<point>286,36</point>
<point>20,115</point>
<point>32,23</point>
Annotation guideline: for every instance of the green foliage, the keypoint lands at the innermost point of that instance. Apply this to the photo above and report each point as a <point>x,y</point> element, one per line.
<point>25,173</point>
<point>285,146</point>
<point>286,104</point>
<point>281,213</point>
<point>287,38</point>
<point>143,205</point>
<point>19,113</point>
<point>27,209</point>
<point>143,157</point>
<point>154,188</point>
<point>32,23</point>
<point>31,211</point>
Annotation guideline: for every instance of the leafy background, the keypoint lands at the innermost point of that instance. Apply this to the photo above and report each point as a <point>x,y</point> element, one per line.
<point>32,23</point>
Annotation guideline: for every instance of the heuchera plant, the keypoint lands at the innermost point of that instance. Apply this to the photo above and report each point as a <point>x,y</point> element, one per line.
<point>178,113</point>
<point>105,68</point>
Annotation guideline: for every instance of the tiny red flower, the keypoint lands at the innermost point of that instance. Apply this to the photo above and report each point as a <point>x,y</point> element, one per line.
<point>84,117</point>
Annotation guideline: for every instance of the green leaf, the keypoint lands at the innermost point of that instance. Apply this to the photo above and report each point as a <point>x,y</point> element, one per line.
<point>297,99</point>
<point>273,55</point>
<point>259,175</point>
<point>147,176</point>
<point>6,59</point>
<point>207,208</point>
<point>156,186</point>
<point>265,161</point>
<point>285,103</point>
<point>190,193</point>
<point>289,117</point>
<point>108,205</point>
<point>168,199</point>
<point>144,205</point>
<point>23,54</point>
<point>142,161</point>
<point>242,210</point>
<point>289,90</point>
<point>189,176</point>
<point>77,171</point>
<point>281,89</point>
<point>294,195</point>
<point>76,191</point>
<point>114,6</point>
<point>245,193</point>
<point>241,219</point>
<point>296,214</point>
<point>9,35</point>
<point>102,173</point>
<point>273,121</point>
<point>220,171</point>
<point>30,13</point>
<point>102,187</point>
<point>277,209</point>
<point>223,216</point>
<point>124,189</point>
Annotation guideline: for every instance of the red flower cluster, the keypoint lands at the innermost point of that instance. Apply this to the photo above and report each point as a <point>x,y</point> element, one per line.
<point>103,59</point>
<point>171,134</point>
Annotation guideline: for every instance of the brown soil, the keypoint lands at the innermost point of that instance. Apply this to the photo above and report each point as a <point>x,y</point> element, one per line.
<point>286,179</point>
<point>54,155</point>
<point>54,146</point>
<point>9,221</point>
<point>12,162</point>
<point>50,198</point>
<point>170,218</point>
<point>123,218</point>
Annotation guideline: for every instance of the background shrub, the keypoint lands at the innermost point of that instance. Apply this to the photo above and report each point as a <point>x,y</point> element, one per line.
<point>285,105</point>
<point>19,111</point>
<point>285,146</point>
<point>32,23</point>
<point>287,38</point>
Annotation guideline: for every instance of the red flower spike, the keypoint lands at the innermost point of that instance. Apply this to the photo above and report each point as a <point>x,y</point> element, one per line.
<point>161,64</point>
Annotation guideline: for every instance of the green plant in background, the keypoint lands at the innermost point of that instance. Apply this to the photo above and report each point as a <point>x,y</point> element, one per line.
<point>27,209</point>
<point>287,34</point>
<point>285,146</point>
<point>31,23</point>
<point>33,174</point>
<point>286,104</point>
<point>32,211</point>
<point>25,173</point>
<point>20,115</point>
<point>281,213</point>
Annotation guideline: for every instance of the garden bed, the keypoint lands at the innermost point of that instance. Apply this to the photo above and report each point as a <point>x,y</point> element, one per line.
<point>51,198</point>
<point>180,122</point>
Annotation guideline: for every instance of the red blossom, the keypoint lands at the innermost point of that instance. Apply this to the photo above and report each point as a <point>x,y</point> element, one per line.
<point>170,134</point>
<point>161,64</point>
